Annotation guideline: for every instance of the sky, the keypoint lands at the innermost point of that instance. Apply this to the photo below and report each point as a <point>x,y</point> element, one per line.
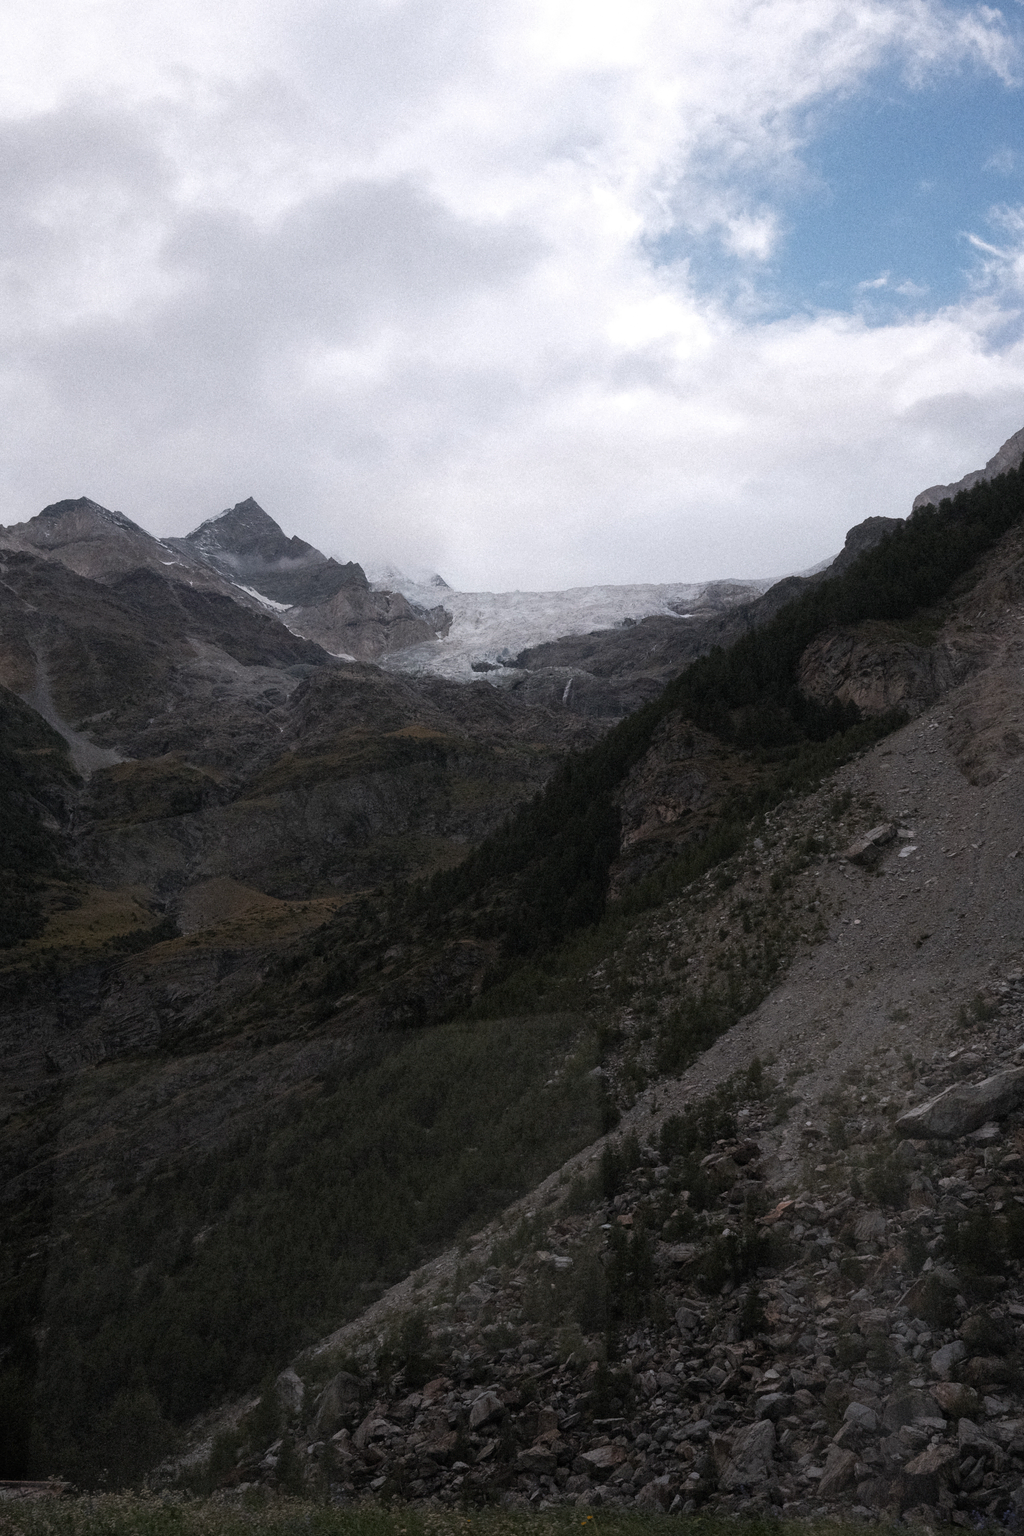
<point>537,293</point>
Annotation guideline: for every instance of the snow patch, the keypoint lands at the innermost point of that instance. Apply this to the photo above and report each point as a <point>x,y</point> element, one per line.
<point>268,602</point>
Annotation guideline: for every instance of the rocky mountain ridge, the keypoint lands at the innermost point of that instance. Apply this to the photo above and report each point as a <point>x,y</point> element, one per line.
<point>237,555</point>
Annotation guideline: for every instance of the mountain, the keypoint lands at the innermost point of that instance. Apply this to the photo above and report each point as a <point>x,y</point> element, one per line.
<point>314,595</point>
<point>103,545</point>
<point>1008,457</point>
<point>593,1042</point>
<point>242,554</point>
<point>247,546</point>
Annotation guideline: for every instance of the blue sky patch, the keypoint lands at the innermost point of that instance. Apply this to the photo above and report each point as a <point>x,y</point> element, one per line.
<point>897,179</point>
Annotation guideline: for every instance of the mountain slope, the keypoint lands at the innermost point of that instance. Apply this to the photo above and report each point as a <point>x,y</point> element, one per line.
<point>762,1245</point>
<point>253,1161</point>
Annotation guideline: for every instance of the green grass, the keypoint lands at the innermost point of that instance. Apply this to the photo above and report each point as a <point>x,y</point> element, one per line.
<point>123,1515</point>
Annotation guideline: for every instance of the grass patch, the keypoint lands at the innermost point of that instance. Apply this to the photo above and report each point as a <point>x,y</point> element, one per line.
<point>120,1515</point>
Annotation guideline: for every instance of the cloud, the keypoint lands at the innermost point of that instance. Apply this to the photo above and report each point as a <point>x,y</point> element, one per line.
<point>417,277</point>
<point>1003,160</point>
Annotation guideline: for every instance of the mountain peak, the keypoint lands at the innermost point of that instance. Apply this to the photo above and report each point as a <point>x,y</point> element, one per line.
<point>246,545</point>
<point>79,511</point>
<point>244,533</point>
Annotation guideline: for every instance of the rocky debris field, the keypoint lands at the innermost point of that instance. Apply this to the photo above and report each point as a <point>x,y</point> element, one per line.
<point>673,1336</point>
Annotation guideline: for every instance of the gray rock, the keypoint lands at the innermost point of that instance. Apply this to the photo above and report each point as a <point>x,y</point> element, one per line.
<point>290,1392</point>
<point>868,849</point>
<point>956,1400</point>
<point>656,1496</point>
<point>338,1404</point>
<point>536,1459</point>
<point>486,1409</point>
<point>753,1457</point>
<point>950,1355</point>
<point>964,1107</point>
<point>904,1407</point>
<point>857,1413</point>
<point>918,1483</point>
<point>773,1405</point>
<point>603,1458</point>
<point>870,1227</point>
<point>968,1433</point>
<point>839,1471</point>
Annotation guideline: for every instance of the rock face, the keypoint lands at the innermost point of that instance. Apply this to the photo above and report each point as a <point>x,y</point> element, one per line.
<point>1009,456</point>
<point>878,670</point>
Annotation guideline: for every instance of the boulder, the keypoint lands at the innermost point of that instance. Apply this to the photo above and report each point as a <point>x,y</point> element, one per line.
<point>870,1227</point>
<point>956,1400</point>
<point>962,1108</point>
<point>655,1497</point>
<point>987,1370</point>
<point>601,1460</point>
<point>919,1481</point>
<point>862,1417</point>
<point>488,1408</point>
<point>839,1471</point>
<point>536,1459</point>
<point>773,1405</point>
<point>904,1407</point>
<point>753,1458</point>
<point>290,1392</point>
<point>985,1333</point>
<point>867,849</point>
<point>337,1405</point>
<point>946,1359</point>
<point>968,1434</point>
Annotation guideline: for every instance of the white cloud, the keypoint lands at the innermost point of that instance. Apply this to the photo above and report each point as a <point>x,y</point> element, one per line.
<point>387,267</point>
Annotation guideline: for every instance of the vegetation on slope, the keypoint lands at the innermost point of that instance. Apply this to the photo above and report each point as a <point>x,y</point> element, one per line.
<point>557,851</point>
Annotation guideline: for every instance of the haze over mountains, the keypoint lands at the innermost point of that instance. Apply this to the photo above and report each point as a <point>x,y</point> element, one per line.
<point>312,967</point>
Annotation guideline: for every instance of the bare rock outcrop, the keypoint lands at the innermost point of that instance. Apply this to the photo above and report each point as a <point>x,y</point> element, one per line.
<point>876,668</point>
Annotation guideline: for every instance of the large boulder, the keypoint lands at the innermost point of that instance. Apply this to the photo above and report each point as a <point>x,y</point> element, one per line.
<point>920,1479</point>
<point>338,1405</point>
<point>840,1470</point>
<point>485,1409</point>
<point>752,1461</point>
<point>290,1392</point>
<point>906,1406</point>
<point>945,1360</point>
<point>961,1109</point>
<point>956,1400</point>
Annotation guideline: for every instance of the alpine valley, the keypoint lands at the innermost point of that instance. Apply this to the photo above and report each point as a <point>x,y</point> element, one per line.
<point>531,1049</point>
